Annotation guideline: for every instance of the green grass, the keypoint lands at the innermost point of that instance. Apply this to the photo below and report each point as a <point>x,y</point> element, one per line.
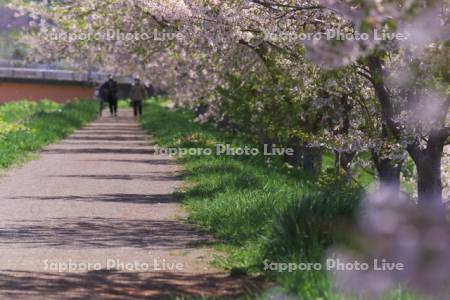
<point>20,111</point>
<point>26,127</point>
<point>259,209</point>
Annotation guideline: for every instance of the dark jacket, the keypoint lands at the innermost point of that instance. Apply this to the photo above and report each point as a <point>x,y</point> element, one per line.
<point>108,91</point>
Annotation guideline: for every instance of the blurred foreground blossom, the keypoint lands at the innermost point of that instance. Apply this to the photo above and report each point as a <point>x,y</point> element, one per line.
<point>392,232</point>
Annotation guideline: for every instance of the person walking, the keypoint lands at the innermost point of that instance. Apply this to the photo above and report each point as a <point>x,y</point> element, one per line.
<point>138,93</point>
<point>108,92</point>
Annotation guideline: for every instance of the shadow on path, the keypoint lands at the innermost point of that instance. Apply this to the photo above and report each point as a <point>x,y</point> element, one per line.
<point>110,284</point>
<point>114,198</point>
<point>138,161</point>
<point>93,150</point>
<point>102,233</point>
<point>147,177</point>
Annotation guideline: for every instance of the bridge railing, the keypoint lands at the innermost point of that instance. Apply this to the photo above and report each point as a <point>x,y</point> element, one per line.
<point>15,63</point>
<point>17,69</point>
<point>47,74</point>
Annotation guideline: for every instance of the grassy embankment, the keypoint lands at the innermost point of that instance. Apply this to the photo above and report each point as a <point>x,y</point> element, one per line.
<point>257,207</point>
<point>27,126</point>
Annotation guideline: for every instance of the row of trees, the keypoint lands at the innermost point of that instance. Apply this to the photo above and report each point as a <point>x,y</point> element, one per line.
<point>348,76</point>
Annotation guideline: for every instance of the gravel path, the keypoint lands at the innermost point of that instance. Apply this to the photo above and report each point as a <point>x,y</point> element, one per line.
<point>93,218</point>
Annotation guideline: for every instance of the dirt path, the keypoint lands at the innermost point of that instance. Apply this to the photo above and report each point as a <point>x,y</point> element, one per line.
<point>100,204</point>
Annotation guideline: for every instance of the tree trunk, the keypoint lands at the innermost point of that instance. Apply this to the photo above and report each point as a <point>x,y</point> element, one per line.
<point>388,172</point>
<point>429,186</point>
<point>428,165</point>
<point>312,160</point>
<point>295,159</point>
<point>343,161</point>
